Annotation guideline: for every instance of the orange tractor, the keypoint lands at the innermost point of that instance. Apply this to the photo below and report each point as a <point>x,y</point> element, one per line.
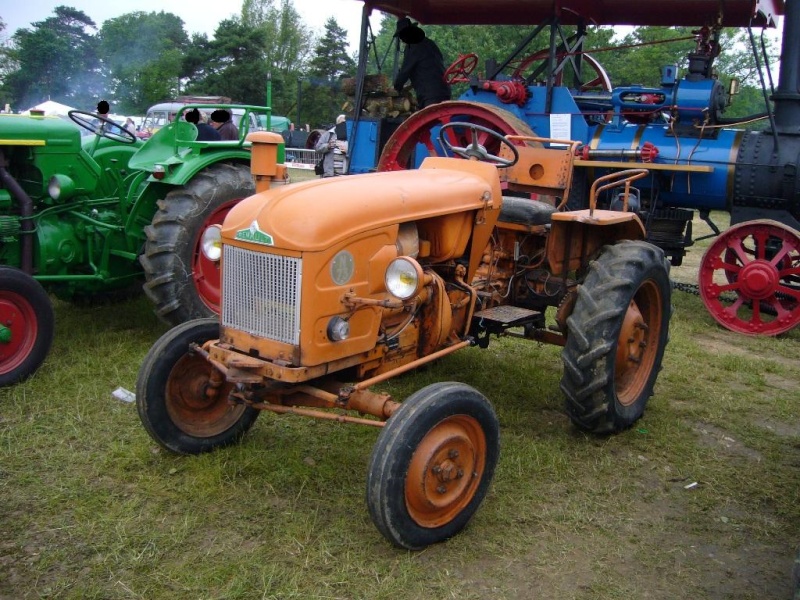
<point>332,286</point>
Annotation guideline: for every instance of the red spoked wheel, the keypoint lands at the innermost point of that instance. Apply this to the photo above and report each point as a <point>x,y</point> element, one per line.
<point>417,136</point>
<point>759,262</point>
<point>461,69</point>
<point>601,79</point>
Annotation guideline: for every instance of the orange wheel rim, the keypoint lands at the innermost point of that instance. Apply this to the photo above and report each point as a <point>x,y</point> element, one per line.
<point>197,398</point>
<point>445,471</point>
<point>637,345</point>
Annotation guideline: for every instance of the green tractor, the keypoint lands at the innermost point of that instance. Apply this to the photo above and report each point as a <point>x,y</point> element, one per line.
<point>90,213</point>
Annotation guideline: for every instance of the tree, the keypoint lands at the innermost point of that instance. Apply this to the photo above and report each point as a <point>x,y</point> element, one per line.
<point>7,64</point>
<point>143,57</point>
<point>265,41</point>
<point>323,99</point>
<point>56,59</point>
<point>232,64</point>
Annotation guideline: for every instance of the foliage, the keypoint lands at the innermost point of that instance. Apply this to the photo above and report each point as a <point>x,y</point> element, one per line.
<point>322,97</point>
<point>57,60</point>
<point>142,54</point>
<point>141,58</point>
<point>266,41</point>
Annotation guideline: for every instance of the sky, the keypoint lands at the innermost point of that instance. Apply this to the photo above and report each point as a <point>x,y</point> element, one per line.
<point>199,16</point>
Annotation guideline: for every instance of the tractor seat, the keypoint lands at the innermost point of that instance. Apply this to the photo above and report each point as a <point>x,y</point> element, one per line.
<point>524,211</point>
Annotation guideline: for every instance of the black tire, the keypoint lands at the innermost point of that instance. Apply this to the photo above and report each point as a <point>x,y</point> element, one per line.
<point>27,325</point>
<point>173,399</point>
<point>796,578</point>
<point>453,425</point>
<point>181,283</point>
<point>604,394</point>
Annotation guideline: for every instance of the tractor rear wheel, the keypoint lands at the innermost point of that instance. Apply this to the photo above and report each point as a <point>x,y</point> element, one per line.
<point>27,325</point>
<point>432,465</point>
<point>180,280</point>
<point>616,337</point>
<point>183,401</point>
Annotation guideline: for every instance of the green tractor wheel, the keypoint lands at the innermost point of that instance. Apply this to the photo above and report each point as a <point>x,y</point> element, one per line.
<point>183,283</point>
<point>27,325</point>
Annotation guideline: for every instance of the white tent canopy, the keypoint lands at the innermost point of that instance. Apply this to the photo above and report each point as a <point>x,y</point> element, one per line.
<point>50,107</point>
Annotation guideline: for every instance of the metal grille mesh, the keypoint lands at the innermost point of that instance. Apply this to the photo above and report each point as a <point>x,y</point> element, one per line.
<point>261,294</point>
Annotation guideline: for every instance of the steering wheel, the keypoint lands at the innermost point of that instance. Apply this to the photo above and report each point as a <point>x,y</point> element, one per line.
<point>476,149</point>
<point>102,126</point>
<point>459,71</point>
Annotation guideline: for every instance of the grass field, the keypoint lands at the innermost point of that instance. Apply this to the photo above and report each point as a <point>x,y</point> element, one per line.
<point>698,500</point>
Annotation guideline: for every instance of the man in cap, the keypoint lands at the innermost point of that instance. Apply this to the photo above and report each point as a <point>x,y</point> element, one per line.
<point>221,121</point>
<point>423,64</point>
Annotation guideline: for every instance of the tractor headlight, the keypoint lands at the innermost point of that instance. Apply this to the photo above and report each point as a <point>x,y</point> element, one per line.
<point>338,329</point>
<point>211,242</point>
<point>403,277</point>
<point>60,187</point>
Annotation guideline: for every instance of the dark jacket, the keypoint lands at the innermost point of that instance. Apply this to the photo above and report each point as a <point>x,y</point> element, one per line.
<point>423,64</point>
<point>206,133</point>
<point>228,131</point>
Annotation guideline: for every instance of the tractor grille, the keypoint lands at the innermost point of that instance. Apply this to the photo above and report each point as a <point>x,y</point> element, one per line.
<point>261,294</point>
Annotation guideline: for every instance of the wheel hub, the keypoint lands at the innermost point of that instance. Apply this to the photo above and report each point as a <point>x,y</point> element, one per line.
<point>633,338</point>
<point>755,261</point>
<point>444,471</point>
<point>759,280</point>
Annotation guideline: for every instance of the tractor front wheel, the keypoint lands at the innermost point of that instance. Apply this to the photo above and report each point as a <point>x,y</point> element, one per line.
<point>27,325</point>
<point>432,465</point>
<point>616,337</point>
<point>183,401</point>
<point>180,280</point>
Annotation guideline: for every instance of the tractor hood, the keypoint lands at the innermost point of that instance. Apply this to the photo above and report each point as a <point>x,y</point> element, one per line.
<point>315,215</point>
<point>51,134</point>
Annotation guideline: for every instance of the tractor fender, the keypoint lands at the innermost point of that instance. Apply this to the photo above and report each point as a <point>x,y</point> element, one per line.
<point>575,236</point>
<point>181,170</point>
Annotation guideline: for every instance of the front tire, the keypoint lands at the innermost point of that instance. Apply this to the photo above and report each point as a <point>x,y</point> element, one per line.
<point>27,325</point>
<point>183,400</point>
<point>432,465</point>
<point>616,337</point>
<point>180,281</point>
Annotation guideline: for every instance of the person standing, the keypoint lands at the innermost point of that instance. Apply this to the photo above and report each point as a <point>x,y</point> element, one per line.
<point>423,64</point>
<point>221,121</point>
<point>325,147</point>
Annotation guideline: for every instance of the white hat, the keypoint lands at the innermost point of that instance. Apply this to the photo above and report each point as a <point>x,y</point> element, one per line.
<point>340,119</point>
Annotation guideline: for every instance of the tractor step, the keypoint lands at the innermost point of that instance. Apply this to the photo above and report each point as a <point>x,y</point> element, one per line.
<point>508,316</point>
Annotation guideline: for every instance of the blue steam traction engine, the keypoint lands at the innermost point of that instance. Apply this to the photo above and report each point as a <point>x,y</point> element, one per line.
<point>698,161</point>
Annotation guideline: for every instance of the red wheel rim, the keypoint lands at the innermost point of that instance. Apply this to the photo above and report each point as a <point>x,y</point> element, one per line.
<point>445,471</point>
<point>759,263</point>
<point>205,272</point>
<point>601,79</point>
<point>17,315</point>
<point>422,128</point>
<point>460,70</point>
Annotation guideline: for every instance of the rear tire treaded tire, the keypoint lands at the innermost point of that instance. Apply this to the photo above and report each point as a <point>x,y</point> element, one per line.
<point>593,328</point>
